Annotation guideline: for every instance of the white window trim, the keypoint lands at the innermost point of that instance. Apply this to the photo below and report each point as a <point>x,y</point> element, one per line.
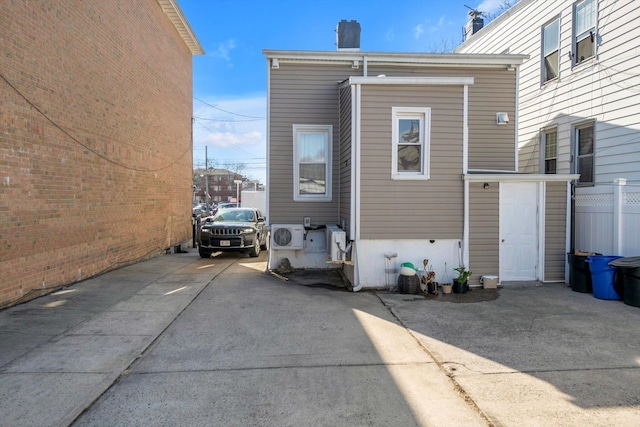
<point>574,36</point>
<point>328,130</point>
<point>575,129</point>
<point>543,70</point>
<point>425,131</point>
<point>543,149</point>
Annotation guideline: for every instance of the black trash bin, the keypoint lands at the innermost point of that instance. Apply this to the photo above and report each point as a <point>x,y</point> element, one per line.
<point>579,273</point>
<point>629,274</point>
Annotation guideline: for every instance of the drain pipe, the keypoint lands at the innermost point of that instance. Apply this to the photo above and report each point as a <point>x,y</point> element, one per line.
<point>356,276</point>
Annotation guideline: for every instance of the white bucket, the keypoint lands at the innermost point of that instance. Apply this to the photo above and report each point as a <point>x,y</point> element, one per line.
<point>489,282</point>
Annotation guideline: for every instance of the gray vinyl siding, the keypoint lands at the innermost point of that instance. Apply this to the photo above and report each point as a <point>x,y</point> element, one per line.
<point>484,230</point>
<point>345,155</point>
<point>491,147</point>
<point>555,230</point>
<point>401,209</point>
<point>301,94</point>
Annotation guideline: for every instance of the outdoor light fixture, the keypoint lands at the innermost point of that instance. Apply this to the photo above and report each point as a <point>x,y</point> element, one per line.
<point>485,185</point>
<point>502,118</point>
<point>275,64</point>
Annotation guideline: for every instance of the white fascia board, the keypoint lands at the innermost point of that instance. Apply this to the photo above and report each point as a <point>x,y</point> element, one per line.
<point>179,21</point>
<point>445,59</point>
<point>519,177</point>
<point>449,81</point>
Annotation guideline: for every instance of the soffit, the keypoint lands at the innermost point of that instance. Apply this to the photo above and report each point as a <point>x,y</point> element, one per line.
<point>179,21</point>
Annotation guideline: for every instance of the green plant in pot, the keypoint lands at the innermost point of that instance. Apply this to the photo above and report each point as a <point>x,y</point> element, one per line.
<point>461,283</point>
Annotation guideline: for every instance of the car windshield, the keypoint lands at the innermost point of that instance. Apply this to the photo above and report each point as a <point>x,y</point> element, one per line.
<point>239,215</point>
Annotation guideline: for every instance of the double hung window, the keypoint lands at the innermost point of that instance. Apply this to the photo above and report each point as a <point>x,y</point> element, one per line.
<point>584,30</point>
<point>550,46</point>
<point>312,162</point>
<point>550,150</point>
<point>584,152</point>
<point>410,144</point>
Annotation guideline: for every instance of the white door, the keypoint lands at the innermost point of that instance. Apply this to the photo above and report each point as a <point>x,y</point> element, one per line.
<point>518,231</point>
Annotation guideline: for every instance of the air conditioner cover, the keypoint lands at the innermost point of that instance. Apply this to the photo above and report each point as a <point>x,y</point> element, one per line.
<point>287,236</point>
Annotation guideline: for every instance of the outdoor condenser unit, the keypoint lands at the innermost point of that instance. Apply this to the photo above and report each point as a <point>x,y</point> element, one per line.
<point>287,236</point>
<point>336,242</point>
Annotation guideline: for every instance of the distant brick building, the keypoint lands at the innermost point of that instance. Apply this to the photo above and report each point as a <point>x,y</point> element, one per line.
<point>222,186</point>
<point>95,138</point>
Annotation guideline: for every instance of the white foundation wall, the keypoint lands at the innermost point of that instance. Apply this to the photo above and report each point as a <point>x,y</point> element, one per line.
<point>371,267</point>
<point>313,255</point>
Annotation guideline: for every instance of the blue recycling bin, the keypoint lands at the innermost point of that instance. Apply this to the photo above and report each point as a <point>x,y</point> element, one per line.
<point>603,276</point>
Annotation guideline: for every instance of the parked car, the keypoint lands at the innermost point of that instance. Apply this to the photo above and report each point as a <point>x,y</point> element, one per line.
<point>200,211</point>
<point>233,230</point>
<point>221,206</point>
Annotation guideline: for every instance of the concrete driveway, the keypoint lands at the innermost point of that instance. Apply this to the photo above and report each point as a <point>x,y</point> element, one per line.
<point>179,340</point>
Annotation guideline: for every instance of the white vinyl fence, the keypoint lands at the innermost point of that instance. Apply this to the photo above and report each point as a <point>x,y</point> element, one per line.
<point>608,219</point>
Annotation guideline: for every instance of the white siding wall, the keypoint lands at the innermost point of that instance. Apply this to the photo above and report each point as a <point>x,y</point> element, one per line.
<point>605,89</point>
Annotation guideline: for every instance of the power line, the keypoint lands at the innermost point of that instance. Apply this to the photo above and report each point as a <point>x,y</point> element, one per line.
<point>64,131</point>
<point>228,112</point>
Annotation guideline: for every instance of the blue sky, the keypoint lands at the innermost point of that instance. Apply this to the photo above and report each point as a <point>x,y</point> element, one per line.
<point>229,81</point>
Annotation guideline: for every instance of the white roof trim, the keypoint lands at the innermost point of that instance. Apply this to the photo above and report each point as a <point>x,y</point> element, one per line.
<point>177,18</point>
<point>468,59</point>
<point>519,177</point>
<point>383,80</point>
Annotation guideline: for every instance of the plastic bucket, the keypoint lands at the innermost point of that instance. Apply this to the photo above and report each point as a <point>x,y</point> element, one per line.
<point>579,273</point>
<point>629,275</point>
<point>603,276</point>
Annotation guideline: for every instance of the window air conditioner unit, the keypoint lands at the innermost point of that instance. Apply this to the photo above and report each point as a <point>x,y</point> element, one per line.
<point>336,242</point>
<point>287,236</point>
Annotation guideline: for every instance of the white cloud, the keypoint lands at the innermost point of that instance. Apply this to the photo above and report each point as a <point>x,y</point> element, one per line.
<point>223,50</point>
<point>417,31</point>
<point>490,6</point>
<point>233,139</point>
<point>231,134</point>
<point>390,35</point>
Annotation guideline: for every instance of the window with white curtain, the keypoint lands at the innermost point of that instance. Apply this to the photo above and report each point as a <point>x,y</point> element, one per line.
<point>584,30</point>
<point>312,146</point>
<point>411,136</point>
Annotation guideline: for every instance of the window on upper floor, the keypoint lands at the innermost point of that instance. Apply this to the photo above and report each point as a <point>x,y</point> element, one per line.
<point>312,145</point>
<point>584,163</point>
<point>550,150</point>
<point>584,30</point>
<point>410,144</point>
<point>550,47</point>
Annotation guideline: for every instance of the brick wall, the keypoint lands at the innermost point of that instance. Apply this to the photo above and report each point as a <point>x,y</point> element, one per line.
<point>95,140</point>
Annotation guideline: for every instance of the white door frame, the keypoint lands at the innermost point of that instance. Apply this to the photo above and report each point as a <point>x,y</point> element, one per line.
<point>520,231</point>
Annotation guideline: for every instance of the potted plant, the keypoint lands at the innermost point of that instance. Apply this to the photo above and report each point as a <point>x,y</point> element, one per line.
<point>460,284</point>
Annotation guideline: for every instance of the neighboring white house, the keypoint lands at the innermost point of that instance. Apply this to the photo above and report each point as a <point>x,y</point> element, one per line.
<point>579,107</point>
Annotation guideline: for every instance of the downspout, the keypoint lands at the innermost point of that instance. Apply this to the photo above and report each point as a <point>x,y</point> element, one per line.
<point>355,182</point>
<point>465,169</point>
<point>267,189</point>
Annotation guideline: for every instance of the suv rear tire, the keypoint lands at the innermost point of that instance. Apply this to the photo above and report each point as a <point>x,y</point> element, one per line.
<point>205,253</point>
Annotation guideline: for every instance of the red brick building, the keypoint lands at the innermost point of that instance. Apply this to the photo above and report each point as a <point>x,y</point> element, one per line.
<point>95,138</point>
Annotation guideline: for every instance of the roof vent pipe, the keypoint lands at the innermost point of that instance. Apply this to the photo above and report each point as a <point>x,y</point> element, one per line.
<point>348,35</point>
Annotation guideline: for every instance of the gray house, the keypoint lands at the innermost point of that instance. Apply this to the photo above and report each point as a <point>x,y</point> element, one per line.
<point>375,159</point>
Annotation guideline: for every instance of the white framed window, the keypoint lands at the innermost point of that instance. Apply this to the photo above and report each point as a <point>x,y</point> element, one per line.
<point>584,149</point>
<point>312,147</point>
<point>550,50</point>
<point>584,30</point>
<point>550,150</point>
<point>411,128</point>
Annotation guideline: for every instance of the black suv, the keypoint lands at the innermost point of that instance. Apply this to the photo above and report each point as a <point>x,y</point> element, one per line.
<point>233,230</point>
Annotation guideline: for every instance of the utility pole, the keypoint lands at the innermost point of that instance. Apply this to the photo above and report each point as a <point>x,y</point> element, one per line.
<point>206,177</point>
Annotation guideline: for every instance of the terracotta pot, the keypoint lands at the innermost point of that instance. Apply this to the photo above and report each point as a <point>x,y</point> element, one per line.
<point>446,289</point>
